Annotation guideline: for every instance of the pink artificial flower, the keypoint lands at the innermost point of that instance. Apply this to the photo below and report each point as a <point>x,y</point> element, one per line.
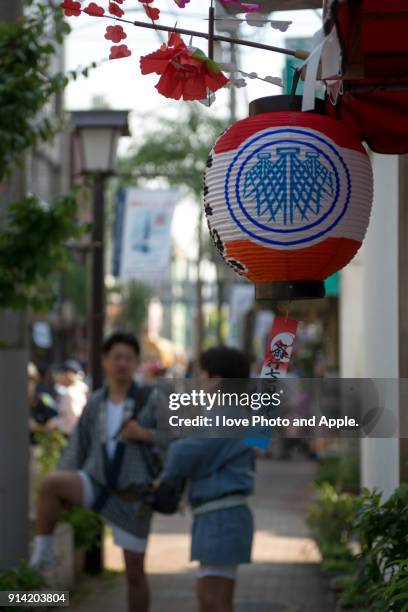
<point>115,33</point>
<point>152,13</point>
<point>71,8</point>
<point>115,9</point>
<point>94,10</point>
<point>117,52</point>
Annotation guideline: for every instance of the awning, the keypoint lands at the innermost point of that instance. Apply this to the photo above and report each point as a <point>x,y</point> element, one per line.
<point>374,41</point>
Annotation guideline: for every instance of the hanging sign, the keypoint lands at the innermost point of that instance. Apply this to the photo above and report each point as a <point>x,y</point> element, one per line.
<point>275,365</point>
<point>143,233</point>
<point>279,348</point>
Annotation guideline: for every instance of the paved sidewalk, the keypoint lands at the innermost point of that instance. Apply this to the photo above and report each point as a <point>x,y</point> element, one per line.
<point>284,577</point>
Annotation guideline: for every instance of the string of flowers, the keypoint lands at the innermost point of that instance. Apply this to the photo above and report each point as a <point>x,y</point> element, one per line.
<point>185,71</point>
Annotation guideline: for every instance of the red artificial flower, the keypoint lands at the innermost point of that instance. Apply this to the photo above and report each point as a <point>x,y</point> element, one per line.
<point>145,1</point>
<point>152,13</point>
<point>174,40</point>
<point>119,1</point>
<point>185,73</point>
<point>114,9</point>
<point>119,51</point>
<point>71,8</point>
<point>94,10</point>
<point>115,33</point>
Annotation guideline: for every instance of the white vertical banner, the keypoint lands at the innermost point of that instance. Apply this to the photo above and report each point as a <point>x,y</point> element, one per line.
<point>143,233</point>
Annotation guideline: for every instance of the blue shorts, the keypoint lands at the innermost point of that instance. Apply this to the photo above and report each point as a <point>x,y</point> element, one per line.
<point>223,537</point>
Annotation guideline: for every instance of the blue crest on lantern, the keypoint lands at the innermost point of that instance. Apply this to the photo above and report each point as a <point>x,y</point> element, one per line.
<point>289,189</point>
<point>285,186</point>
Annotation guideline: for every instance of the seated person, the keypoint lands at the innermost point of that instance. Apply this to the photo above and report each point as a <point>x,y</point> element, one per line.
<point>42,406</point>
<point>112,455</point>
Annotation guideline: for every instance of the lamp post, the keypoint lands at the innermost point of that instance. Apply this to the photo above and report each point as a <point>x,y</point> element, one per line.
<point>96,135</point>
<point>95,141</point>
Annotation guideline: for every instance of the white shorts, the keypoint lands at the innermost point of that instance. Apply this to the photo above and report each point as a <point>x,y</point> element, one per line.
<point>122,538</point>
<point>225,571</point>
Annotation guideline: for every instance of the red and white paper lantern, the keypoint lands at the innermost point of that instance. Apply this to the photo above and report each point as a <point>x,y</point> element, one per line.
<point>287,200</point>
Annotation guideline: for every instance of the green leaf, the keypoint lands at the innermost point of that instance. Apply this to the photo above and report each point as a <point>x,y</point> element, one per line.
<point>32,250</point>
<point>27,81</point>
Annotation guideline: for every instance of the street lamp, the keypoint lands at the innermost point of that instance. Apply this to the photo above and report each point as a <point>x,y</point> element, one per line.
<point>95,138</point>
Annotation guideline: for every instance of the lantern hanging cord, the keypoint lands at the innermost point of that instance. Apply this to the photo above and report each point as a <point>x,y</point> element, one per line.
<point>298,53</point>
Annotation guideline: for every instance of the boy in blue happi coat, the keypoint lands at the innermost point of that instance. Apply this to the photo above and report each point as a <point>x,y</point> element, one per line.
<point>220,472</point>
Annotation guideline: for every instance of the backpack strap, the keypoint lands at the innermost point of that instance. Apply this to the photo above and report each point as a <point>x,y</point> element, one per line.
<point>151,458</point>
<point>140,396</point>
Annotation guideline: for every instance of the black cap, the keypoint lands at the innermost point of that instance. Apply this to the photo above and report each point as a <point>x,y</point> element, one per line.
<point>70,365</point>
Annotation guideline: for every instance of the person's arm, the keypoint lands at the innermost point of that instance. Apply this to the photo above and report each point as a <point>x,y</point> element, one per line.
<point>160,435</point>
<point>187,455</point>
<point>67,417</point>
<point>133,431</point>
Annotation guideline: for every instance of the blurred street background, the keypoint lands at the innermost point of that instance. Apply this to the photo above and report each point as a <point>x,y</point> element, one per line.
<point>109,234</point>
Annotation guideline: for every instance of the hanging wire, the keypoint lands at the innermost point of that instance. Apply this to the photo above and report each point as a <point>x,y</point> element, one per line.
<point>299,53</point>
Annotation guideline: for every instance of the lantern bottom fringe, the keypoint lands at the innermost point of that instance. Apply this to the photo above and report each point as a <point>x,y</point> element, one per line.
<point>290,290</point>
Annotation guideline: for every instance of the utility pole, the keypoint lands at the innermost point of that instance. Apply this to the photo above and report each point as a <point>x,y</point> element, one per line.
<point>14,439</point>
<point>94,556</point>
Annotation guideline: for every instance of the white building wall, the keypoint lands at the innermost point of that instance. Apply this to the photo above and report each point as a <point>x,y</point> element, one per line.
<point>351,318</point>
<point>380,457</point>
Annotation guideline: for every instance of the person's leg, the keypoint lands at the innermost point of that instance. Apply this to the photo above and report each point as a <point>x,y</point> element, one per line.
<point>138,588</point>
<point>215,594</point>
<point>57,489</point>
